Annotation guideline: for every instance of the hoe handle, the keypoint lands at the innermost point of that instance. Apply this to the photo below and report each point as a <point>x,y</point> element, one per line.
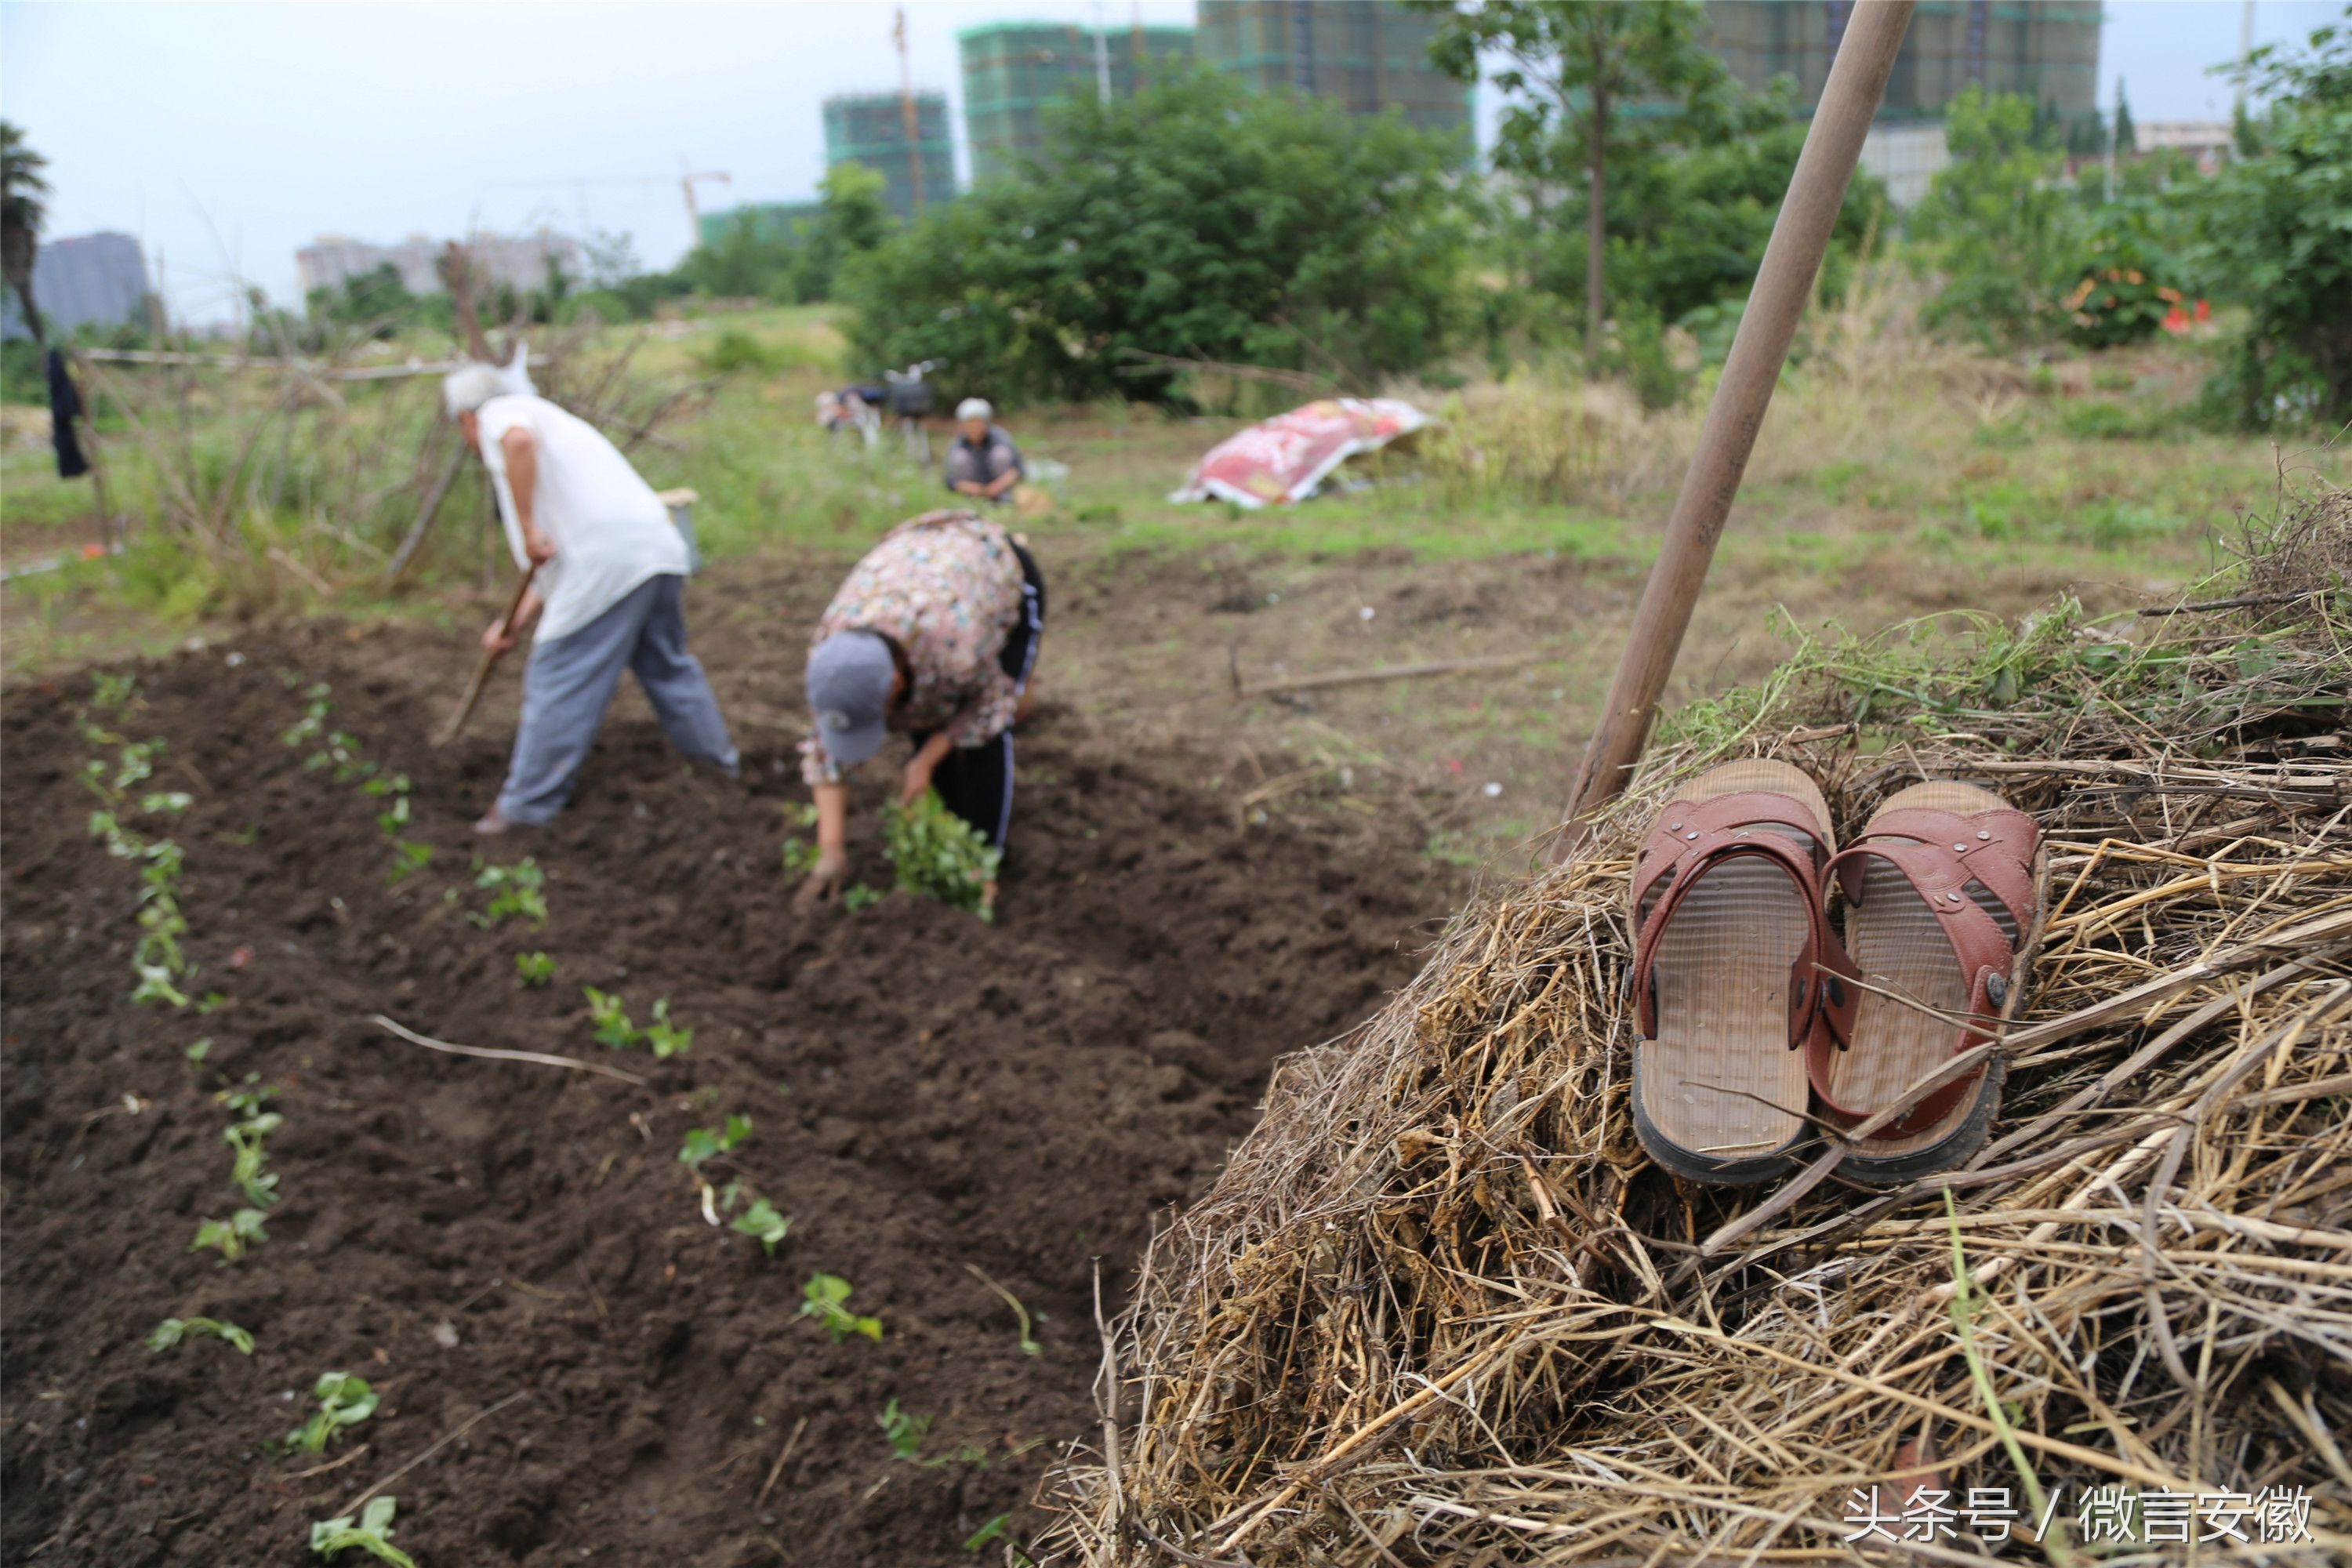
<point>489,660</point>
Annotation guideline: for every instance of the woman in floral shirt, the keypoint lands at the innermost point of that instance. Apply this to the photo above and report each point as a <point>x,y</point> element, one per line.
<point>933,635</point>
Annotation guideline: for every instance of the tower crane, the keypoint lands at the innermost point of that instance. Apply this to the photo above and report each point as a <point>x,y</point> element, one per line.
<point>686,179</point>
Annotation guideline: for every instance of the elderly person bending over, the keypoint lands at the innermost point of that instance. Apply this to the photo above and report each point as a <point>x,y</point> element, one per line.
<point>935,635</point>
<point>608,596</point>
<point>983,463</point>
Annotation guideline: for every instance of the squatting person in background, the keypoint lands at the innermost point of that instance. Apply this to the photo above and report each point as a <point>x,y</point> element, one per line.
<point>983,463</point>
<point>934,635</point>
<point>609,594</point>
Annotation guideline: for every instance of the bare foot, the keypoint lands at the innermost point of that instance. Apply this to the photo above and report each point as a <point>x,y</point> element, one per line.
<point>491,823</point>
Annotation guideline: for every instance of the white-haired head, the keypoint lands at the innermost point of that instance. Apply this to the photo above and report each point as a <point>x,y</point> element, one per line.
<point>466,388</point>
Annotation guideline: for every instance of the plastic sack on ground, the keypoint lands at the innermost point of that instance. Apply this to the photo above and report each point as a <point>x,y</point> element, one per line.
<point>1287,457</point>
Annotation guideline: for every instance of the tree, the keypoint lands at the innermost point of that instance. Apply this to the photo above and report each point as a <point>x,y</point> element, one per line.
<point>22,214</point>
<point>1577,67</point>
<point>2127,139</point>
<point>2277,235</point>
<point>1194,221</point>
<point>612,258</point>
<point>855,218</point>
<point>1994,224</point>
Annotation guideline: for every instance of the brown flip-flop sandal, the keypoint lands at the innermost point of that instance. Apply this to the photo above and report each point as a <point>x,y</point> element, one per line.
<point>1943,898</point>
<point>1730,938</point>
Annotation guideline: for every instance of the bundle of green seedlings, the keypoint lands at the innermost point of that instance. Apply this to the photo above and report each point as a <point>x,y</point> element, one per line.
<point>938,854</point>
<point>1441,1308</point>
<point>158,959</point>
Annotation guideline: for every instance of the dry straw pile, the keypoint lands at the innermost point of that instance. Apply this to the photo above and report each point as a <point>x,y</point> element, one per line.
<point>1439,1310</point>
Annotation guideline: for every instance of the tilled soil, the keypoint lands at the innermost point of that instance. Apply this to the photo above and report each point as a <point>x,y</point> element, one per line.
<point>933,1099</point>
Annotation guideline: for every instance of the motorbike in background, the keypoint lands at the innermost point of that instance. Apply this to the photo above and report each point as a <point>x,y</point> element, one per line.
<point>904,394</point>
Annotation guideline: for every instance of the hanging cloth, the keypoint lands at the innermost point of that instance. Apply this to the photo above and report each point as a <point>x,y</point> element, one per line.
<point>65,407</point>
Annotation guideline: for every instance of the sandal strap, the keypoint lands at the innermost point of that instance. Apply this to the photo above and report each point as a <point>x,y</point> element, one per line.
<point>1994,847</point>
<point>1919,844</point>
<point>1691,839</point>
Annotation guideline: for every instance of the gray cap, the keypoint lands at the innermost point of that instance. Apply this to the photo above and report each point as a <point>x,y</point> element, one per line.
<point>849,678</point>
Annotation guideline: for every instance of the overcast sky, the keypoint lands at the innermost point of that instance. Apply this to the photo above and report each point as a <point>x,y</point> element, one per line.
<point>226,135</point>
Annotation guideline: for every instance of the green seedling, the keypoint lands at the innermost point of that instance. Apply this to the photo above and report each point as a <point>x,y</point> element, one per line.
<point>386,783</point>
<point>372,1535</point>
<point>824,1296</point>
<point>407,860</point>
<point>1028,1346</point>
<point>666,1038</point>
<point>702,1144</point>
<point>519,889</point>
<point>174,1329</point>
<point>344,1401</point>
<point>108,692</point>
<point>608,1011</point>
<point>904,1432</point>
<point>394,817</point>
<point>533,969</point>
<point>800,855</point>
<point>860,897</point>
<point>155,985</point>
<point>230,1237</point>
<point>250,1171</point>
<point>138,764</point>
<point>211,1002</point>
<point>167,801</point>
<point>199,1051</point>
<point>247,1103</point>
<point>761,1222</point>
<point>936,854</point>
<point>993,1531</point>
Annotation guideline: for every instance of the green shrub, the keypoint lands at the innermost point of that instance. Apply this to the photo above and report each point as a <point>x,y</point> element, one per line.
<point>2277,235</point>
<point>938,854</point>
<point>1196,221</point>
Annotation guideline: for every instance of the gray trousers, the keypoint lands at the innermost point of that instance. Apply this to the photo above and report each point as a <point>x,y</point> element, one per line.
<point>569,683</point>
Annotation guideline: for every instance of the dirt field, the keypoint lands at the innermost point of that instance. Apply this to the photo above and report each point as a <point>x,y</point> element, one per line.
<point>929,1097</point>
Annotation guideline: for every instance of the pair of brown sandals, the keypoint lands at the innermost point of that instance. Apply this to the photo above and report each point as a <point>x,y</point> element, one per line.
<point>1760,1021</point>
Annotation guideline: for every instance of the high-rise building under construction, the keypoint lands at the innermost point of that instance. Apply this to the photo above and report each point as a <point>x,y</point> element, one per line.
<point>1014,72</point>
<point>1367,56</point>
<point>871,129</point>
<point>2047,50</point>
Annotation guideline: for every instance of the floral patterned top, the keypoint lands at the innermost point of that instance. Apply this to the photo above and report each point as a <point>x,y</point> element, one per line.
<point>946,586</point>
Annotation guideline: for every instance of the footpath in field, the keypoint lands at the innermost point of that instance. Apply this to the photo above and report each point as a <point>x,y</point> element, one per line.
<point>952,1119</point>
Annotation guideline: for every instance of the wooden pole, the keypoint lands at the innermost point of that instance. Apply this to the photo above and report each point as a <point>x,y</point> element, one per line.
<point>1800,236</point>
<point>489,660</point>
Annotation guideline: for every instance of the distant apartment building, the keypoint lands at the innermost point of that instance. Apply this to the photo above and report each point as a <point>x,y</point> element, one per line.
<point>520,261</point>
<point>1014,72</point>
<point>2047,50</point>
<point>871,129</point>
<point>87,280</point>
<point>1367,56</point>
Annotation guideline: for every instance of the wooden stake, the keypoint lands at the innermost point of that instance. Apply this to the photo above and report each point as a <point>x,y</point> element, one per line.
<point>1800,236</point>
<point>489,660</point>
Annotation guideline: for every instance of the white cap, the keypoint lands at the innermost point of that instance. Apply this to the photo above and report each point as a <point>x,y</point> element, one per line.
<point>975,409</point>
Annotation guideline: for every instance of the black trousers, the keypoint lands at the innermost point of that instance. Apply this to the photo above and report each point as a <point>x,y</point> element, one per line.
<point>976,782</point>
